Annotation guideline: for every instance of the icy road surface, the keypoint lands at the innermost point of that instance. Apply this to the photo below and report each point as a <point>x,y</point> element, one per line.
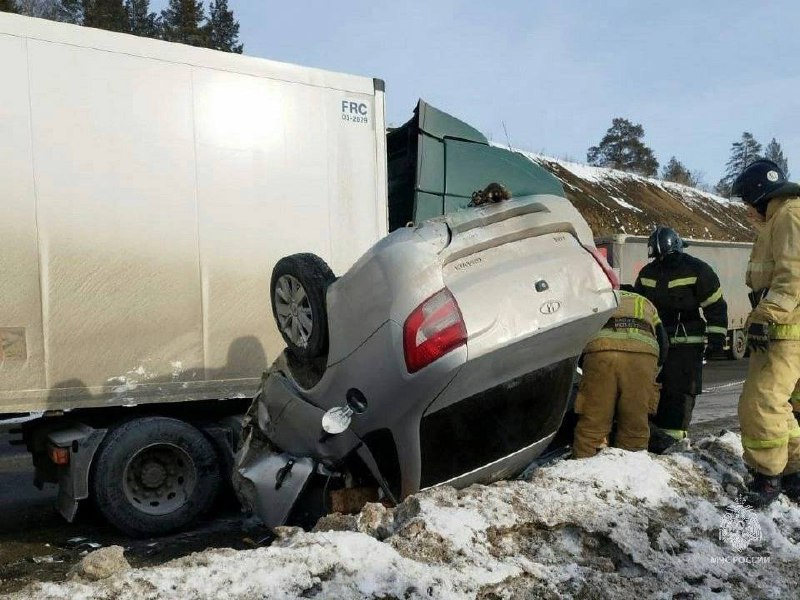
<point>621,525</point>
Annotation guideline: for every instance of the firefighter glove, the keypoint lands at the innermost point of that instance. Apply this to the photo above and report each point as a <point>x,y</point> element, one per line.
<point>758,337</point>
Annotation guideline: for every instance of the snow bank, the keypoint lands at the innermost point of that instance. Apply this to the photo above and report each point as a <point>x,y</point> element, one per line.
<point>620,525</point>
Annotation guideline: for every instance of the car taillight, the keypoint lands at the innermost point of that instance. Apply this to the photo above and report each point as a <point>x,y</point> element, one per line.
<point>601,260</point>
<point>434,328</point>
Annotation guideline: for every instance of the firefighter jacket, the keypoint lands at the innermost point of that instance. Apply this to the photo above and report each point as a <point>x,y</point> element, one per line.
<point>774,270</point>
<point>680,286</point>
<point>634,327</point>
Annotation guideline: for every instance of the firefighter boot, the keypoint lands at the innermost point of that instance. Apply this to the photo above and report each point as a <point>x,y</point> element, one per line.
<point>791,486</point>
<point>660,440</point>
<point>762,490</point>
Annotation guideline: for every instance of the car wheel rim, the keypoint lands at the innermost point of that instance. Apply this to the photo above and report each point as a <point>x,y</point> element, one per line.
<point>293,308</point>
<point>159,479</point>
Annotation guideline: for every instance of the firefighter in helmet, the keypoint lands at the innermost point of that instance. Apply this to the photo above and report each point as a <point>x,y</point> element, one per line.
<point>619,378</point>
<point>770,431</point>
<point>687,293</point>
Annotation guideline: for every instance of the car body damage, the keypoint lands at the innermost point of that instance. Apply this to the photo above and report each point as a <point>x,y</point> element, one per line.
<point>529,296</point>
<point>452,348</point>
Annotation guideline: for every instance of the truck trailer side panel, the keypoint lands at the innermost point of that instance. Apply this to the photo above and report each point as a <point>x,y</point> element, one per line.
<point>628,254</point>
<point>147,191</point>
<point>21,342</point>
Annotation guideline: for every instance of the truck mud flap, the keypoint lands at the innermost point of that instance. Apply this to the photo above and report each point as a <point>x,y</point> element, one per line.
<point>73,479</point>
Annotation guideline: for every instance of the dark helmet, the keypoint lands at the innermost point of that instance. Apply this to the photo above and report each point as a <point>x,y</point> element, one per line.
<point>756,182</point>
<point>664,241</point>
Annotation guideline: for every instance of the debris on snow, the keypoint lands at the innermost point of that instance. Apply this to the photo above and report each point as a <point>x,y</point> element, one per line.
<point>620,525</point>
<point>101,564</point>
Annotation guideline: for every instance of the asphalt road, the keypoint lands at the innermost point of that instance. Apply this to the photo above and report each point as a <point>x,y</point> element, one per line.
<point>716,406</point>
<point>37,544</point>
<point>35,541</point>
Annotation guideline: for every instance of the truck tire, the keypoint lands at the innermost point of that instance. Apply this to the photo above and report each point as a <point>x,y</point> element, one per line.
<point>154,475</point>
<point>297,290</point>
<point>738,347</point>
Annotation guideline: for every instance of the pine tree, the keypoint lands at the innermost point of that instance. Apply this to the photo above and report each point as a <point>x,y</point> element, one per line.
<point>182,21</point>
<point>774,152</point>
<point>743,153</point>
<point>8,6</point>
<point>105,14</point>
<point>140,20</point>
<point>622,148</point>
<point>676,172</point>
<point>222,28</point>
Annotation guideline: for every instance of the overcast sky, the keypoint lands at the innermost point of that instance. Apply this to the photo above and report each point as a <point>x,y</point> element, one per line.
<point>694,74</point>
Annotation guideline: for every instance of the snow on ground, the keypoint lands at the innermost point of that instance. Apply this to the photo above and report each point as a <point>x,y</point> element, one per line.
<point>624,204</point>
<point>621,525</point>
<point>585,172</point>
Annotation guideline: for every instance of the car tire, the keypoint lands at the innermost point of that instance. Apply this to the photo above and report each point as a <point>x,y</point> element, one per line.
<point>154,475</point>
<point>738,347</point>
<point>297,292</point>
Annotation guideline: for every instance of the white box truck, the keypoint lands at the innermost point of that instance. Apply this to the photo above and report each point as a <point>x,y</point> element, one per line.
<point>146,191</point>
<point>628,254</point>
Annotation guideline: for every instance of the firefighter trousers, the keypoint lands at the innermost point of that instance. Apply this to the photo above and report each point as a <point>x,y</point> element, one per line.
<point>617,385</point>
<point>681,381</point>
<point>770,432</point>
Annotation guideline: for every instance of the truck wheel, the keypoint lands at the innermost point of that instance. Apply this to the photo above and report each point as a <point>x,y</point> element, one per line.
<point>738,345</point>
<point>154,475</point>
<point>297,289</point>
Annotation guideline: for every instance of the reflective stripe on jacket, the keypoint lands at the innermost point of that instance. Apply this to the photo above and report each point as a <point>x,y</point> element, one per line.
<point>632,328</point>
<point>775,266</point>
<point>681,286</point>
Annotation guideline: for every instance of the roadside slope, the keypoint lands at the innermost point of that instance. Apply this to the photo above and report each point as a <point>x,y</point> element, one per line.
<point>615,202</point>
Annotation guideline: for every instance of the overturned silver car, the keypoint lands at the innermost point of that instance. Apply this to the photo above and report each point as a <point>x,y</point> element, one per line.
<point>444,355</point>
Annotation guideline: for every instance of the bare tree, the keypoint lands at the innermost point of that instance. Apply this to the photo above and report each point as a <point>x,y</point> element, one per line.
<point>67,11</point>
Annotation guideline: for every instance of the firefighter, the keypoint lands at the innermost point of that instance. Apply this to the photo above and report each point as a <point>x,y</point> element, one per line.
<point>619,378</point>
<point>681,286</point>
<point>770,431</point>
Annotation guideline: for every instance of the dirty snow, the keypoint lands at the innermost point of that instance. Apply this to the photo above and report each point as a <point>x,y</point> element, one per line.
<point>621,525</point>
<point>131,380</point>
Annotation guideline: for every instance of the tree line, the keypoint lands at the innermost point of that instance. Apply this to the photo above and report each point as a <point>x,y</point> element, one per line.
<point>623,148</point>
<point>183,21</point>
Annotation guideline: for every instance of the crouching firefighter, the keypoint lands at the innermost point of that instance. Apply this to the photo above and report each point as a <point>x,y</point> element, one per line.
<point>770,431</point>
<point>619,378</point>
<point>681,286</point>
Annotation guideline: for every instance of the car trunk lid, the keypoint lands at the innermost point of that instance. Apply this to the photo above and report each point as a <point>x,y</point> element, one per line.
<point>519,267</point>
